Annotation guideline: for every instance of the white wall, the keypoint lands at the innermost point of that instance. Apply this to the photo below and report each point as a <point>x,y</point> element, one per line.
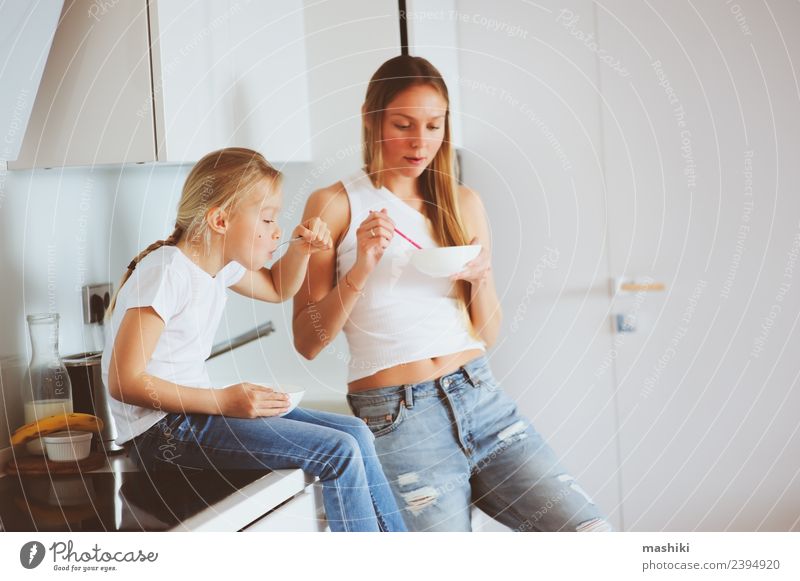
<point>54,226</point>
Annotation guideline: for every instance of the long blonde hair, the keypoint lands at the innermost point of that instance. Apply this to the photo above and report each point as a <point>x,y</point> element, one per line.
<point>221,179</point>
<point>437,184</point>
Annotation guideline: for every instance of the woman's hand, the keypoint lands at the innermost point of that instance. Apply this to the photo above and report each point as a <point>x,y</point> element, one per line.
<point>373,237</point>
<point>315,236</point>
<point>247,400</point>
<point>477,270</point>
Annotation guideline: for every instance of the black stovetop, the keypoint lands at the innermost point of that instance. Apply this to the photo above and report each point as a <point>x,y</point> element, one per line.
<point>114,501</point>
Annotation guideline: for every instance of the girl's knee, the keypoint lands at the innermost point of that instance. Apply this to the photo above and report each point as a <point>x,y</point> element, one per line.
<point>351,423</point>
<point>346,446</point>
<point>357,428</point>
<point>344,456</point>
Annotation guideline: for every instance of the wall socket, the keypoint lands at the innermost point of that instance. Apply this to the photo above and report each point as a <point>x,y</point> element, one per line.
<point>96,298</point>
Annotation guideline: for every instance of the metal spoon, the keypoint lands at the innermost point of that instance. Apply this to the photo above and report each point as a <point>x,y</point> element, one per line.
<point>289,242</point>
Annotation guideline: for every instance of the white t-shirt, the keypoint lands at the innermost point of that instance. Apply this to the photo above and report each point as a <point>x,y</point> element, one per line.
<point>190,302</point>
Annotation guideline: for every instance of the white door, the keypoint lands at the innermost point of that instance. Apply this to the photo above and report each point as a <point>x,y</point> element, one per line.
<point>701,144</point>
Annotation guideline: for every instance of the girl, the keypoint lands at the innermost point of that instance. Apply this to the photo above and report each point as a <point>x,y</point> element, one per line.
<point>446,433</point>
<point>163,321</point>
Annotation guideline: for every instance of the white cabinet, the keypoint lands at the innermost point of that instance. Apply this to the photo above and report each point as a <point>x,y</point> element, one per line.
<point>270,92</point>
<point>192,78</point>
<point>346,42</point>
<point>169,81</point>
<point>230,73</point>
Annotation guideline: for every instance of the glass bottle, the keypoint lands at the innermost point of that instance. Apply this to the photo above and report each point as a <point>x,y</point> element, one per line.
<point>46,389</point>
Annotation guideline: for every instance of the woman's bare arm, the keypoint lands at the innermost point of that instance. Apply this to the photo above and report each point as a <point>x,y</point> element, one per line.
<point>320,306</point>
<point>484,307</point>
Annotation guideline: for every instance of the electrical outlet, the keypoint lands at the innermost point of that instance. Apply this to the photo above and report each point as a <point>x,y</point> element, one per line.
<point>96,298</point>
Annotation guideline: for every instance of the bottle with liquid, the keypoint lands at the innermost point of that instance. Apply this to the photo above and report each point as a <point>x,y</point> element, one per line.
<point>46,389</point>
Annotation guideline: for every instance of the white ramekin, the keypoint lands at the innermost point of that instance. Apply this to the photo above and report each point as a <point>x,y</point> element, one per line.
<point>68,446</point>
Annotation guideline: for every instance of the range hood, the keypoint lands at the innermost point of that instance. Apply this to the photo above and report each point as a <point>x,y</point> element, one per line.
<point>26,34</point>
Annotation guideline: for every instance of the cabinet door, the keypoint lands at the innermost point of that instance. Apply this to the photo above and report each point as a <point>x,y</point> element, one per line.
<point>193,76</point>
<point>270,89</point>
<point>230,74</point>
<point>94,101</point>
<point>346,42</point>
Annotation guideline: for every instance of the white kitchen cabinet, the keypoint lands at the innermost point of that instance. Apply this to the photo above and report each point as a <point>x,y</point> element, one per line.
<point>230,73</point>
<point>169,81</point>
<point>192,78</point>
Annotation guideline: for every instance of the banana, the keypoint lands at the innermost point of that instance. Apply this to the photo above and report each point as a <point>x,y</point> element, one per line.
<point>75,422</point>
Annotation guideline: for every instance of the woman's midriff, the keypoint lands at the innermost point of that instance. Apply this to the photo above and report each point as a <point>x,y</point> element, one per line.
<point>415,371</point>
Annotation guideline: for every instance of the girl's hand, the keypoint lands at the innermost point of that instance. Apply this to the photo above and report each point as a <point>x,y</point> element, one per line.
<point>247,400</point>
<point>373,238</point>
<point>477,270</point>
<point>315,236</point>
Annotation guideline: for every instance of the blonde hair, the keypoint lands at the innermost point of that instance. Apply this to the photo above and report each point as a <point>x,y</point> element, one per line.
<point>437,184</point>
<point>221,179</point>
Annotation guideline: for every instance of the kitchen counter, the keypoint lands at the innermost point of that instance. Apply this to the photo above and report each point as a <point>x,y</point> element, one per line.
<point>119,497</point>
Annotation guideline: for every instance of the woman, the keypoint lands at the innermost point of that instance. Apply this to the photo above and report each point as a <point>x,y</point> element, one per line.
<point>446,434</point>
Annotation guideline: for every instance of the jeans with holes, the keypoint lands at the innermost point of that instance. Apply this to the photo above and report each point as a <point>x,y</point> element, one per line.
<point>459,441</point>
<point>338,449</point>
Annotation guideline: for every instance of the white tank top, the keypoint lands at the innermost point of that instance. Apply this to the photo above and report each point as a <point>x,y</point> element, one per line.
<point>405,315</point>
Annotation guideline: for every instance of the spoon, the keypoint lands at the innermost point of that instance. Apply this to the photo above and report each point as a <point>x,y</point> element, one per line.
<point>289,241</point>
<point>417,246</point>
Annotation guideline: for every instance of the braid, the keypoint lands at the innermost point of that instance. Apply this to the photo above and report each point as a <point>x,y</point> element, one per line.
<point>170,240</point>
<point>175,237</point>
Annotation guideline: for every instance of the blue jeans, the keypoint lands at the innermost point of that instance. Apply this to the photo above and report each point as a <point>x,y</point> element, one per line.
<point>459,441</point>
<point>338,449</point>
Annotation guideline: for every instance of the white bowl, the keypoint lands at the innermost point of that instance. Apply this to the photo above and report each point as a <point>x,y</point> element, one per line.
<point>68,446</point>
<point>444,261</point>
<point>295,394</point>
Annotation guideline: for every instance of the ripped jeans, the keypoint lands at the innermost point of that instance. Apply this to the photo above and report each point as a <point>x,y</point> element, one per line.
<point>459,441</point>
